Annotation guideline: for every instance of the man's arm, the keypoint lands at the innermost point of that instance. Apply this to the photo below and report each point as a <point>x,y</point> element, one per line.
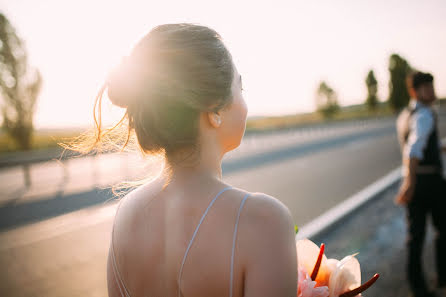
<point>407,188</point>
<point>422,124</point>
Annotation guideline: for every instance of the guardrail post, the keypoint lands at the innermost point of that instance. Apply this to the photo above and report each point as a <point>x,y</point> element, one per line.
<point>95,161</point>
<point>27,175</point>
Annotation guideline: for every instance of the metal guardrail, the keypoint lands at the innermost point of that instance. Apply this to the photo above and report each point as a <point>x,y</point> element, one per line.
<point>35,156</point>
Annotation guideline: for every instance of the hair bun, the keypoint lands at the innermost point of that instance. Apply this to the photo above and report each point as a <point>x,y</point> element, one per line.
<point>121,85</point>
<point>171,75</point>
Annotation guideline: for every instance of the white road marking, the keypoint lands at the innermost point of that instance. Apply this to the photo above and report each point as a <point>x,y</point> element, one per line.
<point>349,205</point>
<point>336,213</point>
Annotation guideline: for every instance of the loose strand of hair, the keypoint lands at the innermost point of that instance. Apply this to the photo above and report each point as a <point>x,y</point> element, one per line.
<point>98,103</point>
<point>100,132</point>
<point>128,132</point>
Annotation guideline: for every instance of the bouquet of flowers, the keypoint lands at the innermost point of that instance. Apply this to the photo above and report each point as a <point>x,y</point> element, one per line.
<point>322,277</point>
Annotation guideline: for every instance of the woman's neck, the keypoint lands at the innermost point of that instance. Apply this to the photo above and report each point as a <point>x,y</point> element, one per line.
<point>205,165</point>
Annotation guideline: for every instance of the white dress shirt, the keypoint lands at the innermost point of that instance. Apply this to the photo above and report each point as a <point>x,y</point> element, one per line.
<point>421,125</point>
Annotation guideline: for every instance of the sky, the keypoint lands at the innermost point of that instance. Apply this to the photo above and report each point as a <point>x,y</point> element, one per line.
<point>283,49</point>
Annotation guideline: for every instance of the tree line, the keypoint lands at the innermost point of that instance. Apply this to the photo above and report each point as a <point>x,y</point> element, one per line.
<point>399,70</point>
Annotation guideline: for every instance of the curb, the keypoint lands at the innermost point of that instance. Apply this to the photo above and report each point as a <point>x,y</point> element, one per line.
<point>336,214</point>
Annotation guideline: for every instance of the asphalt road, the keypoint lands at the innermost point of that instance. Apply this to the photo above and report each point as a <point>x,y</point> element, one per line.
<point>62,187</point>
<point>66,255</point>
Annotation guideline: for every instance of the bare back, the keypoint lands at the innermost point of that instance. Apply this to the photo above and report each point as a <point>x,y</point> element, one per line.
<point>153,229</point>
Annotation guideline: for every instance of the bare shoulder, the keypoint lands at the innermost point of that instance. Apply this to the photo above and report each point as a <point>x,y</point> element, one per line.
<point>130,213</point>
<point>267,248</point>
<point>265,218</point>
<point>138,198</point>
<point>122,222</point>
<point>260,205</point>
<point>263,206</point>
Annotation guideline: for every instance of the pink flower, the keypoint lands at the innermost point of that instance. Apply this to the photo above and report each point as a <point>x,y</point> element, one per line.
<point>345,275</point>
<point>307,287</point>
<point>307,255</point>
<point>340,278</point>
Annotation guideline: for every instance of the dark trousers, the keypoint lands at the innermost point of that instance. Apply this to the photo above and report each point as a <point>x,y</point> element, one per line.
<point>429,197</point>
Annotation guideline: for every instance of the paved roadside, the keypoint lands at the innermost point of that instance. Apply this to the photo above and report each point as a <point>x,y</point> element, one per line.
<point>66,256</point>
<point>378,232</point>
<point>301,165</point>
<point>59,176</point>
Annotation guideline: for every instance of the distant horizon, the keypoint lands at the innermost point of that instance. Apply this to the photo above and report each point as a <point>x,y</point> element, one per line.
<point>250,117</point>
<point>283,50</point>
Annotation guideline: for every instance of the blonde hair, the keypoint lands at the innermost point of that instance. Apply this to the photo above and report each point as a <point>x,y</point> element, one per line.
<point>173,74</point>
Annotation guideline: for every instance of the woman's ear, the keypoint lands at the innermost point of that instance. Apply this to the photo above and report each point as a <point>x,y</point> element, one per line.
<point>214,119</point>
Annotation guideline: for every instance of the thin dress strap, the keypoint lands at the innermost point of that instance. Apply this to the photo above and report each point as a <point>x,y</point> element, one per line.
<point>233,244</point>
<point>193,237</point>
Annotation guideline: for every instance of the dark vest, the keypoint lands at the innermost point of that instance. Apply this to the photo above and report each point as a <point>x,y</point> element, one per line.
<point>431,153</point>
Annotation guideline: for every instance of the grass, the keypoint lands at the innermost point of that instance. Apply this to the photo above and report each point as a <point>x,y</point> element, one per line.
<point>289,121</point>
<point>41,140</point>
<point>352,112</point>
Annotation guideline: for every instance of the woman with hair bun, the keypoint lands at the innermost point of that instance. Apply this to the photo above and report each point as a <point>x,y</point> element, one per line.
<point>187,232</point>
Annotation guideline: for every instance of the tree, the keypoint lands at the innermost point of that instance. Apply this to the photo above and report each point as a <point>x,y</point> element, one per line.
<point>399,70</point>
<point>19,86</point>
<point>326,100</point>
<point>372,89</point>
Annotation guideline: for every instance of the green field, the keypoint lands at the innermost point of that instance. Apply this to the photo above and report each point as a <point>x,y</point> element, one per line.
<point>289,121</point>
<point>41,139</point>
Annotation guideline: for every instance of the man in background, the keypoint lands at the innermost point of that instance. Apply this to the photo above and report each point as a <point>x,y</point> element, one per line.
<point>423,189</point>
